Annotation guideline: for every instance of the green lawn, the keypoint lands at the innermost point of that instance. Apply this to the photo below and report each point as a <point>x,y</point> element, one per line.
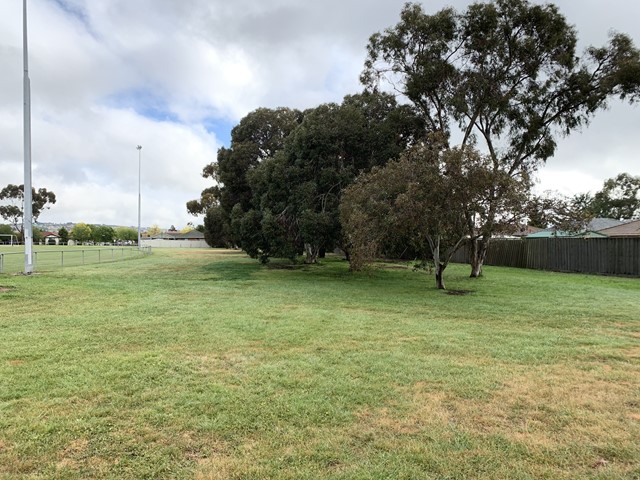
<point>204,364</point>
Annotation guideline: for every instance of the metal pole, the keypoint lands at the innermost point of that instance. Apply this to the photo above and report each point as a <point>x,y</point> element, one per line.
<point>27,218</point>
<point>139,147</point>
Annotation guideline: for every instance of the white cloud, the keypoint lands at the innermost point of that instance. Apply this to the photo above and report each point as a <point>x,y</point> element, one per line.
<point>108,75</point>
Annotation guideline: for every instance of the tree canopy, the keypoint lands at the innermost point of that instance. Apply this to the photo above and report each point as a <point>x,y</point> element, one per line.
<point>81,232</point>
<point>424,199</point>
<point>42,199</point>
<point>126,234</point>
<point>619,198</point>
<point>279,184</point>
<point>506,75</point>
<point>297,192</point>
<point>102,233</point>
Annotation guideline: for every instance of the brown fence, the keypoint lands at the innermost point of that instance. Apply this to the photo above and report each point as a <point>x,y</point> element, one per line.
<point>609,256</point>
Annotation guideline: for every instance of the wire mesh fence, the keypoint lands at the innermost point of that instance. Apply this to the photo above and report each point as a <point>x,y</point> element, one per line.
<point>46,260</point>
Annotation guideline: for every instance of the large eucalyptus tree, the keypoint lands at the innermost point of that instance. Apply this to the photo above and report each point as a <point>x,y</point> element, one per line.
<point>503,75</point>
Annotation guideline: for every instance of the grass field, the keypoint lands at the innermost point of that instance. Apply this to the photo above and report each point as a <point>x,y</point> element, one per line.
<point>203,364</point>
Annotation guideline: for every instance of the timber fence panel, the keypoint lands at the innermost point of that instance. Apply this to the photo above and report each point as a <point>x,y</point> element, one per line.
<point>608,256</point>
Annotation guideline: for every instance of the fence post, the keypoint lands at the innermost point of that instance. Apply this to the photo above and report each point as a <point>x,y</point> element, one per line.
<point>1,262</point>
<point>62,258</point>
<point>82,256</point>
<point>99,257</point>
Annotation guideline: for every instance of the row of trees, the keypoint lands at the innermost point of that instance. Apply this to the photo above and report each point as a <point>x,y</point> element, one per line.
<point>82,232</point>
<point>487,92</point>
<point>13,211</point>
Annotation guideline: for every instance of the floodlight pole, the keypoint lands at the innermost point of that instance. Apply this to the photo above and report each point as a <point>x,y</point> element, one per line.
<point>27,216</point>
<point>139,147</point>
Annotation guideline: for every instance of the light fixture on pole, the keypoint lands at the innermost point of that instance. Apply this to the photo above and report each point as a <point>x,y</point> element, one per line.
<point>27,214</point>
<point>139,147</point>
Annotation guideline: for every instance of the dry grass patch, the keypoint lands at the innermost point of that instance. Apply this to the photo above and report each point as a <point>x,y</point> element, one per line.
<point>573,421</point>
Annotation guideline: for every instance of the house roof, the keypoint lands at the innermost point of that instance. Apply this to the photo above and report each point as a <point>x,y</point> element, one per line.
<point>597,224</point>
<point>592,229</point>
<point>522,230</point>
<point>192,235</point>
<point>628,229</point>
<point>552,233</point>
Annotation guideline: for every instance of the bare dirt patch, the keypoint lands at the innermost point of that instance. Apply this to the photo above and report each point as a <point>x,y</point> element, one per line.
<point>4,288</point>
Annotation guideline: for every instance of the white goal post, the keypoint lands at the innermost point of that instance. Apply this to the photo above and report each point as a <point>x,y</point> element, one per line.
<point>13,239</point>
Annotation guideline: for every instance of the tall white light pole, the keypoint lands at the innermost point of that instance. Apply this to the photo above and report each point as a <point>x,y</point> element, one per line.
<point>139,147</point>
<point>27,216</point>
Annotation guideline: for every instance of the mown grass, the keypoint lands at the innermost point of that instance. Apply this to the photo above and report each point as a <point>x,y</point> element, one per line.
<point>204,364</point>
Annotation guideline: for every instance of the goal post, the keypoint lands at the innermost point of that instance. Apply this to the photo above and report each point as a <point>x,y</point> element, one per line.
<point>13,239</point>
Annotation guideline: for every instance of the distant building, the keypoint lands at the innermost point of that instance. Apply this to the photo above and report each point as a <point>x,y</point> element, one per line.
<point>192,239</point>
<point>626,230</point>
<point>50,238</point>
<point>192,235</point>
<point>593,229</point>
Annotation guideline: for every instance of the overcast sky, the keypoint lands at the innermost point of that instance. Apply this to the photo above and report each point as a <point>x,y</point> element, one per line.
<point>176,75</point>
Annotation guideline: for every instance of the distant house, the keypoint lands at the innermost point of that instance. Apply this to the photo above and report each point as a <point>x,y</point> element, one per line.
<point>626,230</point>
<point>524,230</point>
<point>50,238</point>
<point>592,230</point>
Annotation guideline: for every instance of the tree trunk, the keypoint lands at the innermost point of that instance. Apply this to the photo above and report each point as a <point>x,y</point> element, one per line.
<point>311,252</point>
<point>440,276</point>
<point>439,266</point>
<point>479,248</point>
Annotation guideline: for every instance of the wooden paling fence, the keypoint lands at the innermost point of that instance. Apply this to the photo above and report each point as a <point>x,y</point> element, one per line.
<point>607,256</point>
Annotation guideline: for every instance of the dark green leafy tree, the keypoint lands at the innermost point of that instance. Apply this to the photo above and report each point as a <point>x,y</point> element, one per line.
<point>42,199</point>
<point>37,235</point>
<point>504,74</point>
<point>302,185</point>
<point>216,226</point>
<point>63,233</point>
<point>619,198</point>
<point>269,229</point>
<point>258,136</point>
<point>102,234</point>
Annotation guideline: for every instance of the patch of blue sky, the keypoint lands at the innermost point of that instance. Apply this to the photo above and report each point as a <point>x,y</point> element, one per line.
<point>144,103</point>
<point>221,128</point>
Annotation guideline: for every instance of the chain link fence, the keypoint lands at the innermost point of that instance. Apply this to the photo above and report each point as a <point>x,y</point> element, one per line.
<point>46,260</point>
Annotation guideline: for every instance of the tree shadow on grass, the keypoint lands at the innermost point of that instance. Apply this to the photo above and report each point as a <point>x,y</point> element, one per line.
<point>230,271</point>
